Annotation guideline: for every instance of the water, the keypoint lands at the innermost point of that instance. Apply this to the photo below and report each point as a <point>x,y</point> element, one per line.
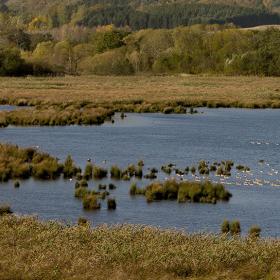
<point>244,136</point>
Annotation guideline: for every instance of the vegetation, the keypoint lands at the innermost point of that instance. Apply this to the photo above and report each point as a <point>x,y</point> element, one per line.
<point>23,163</point>
<point>116,172</point>
<point>111,204</point>
<point>204,192</point>
<point>126,251</point>
<point>17,184</point>
<point>90,202</point>
<point>5,209</point>
<point>254,232</point>
<point>99,172</point>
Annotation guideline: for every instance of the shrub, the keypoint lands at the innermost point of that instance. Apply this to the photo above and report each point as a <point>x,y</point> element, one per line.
<point>5,209</point>
<point>90,202</point>
<point>235,228</point>
<point>254,232</point>
<point>116,172</point>
<point>99,172</point>
<point>111,204</point>
<point>47,169</point>
<point>225,228</point>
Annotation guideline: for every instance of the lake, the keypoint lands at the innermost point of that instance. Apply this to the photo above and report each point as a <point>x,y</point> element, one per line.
<point>244,136</point>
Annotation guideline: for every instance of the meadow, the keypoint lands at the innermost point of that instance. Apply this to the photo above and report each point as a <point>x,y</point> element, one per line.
<point>131,91</point>
<point>48,250</point>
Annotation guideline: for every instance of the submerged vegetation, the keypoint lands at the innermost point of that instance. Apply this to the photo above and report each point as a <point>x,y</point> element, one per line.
<point>131,252</point>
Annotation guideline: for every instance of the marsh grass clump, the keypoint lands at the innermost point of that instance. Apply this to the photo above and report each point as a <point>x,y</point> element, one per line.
<point>242,168</point>
<point>140,163</point>
<point>116,172</point>
<point>5,209</point>
<point>150,176</point>
<point>104,194</point>
<point>134,190</point>
<point>193,170</point>
<point>111,204</point>
<point>17,184</point>
<point>112,186</point>
<point>22,163</point>
<point>204,192</point>
<point>254,232</point>
<point>90,202</point>
<point>102,187</point>
<point>99,172</point>
<point>166,169</point>
<point>70,170</point>
<point>83,222</point>
<point>235,228</point>
<point>225,228</point>
<point>81,192</point>
<point>88,171</point>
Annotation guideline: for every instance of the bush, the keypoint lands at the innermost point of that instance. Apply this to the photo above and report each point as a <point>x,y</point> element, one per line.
<point>111,204</point>
<point>90,202</point>
<point>254,232</point>
<point>99,172</point>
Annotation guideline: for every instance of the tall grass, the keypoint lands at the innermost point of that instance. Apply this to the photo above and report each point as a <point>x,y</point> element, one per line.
<point>35,250</point>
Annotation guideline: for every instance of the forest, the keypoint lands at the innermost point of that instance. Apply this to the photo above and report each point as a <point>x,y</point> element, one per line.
<point>115,37</point>
<point>108,50</point>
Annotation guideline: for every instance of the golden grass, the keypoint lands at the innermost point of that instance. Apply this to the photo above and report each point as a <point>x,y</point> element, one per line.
<point>193,90</point>
<point>34,250</point>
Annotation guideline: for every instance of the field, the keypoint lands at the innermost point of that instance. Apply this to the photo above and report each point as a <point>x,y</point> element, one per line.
<point>212,91</point>
<point>34,250</point>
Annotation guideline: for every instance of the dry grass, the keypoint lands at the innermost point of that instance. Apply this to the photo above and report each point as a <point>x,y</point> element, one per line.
<point>35,250</point>
<point>193,90</point>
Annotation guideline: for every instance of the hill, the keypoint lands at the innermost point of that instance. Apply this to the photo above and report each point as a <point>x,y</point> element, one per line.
<point>141,14</point>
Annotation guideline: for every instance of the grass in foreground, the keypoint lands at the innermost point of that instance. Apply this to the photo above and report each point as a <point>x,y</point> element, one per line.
<point>34,250</point>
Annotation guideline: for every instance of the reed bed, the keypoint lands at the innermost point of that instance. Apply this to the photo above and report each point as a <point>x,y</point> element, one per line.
<point>35,250</point>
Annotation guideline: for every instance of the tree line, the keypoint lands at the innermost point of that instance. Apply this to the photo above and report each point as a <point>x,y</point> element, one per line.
<point>108,50</point>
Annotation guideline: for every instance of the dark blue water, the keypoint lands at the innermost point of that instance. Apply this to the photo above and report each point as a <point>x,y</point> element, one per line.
<point>244,136</point>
